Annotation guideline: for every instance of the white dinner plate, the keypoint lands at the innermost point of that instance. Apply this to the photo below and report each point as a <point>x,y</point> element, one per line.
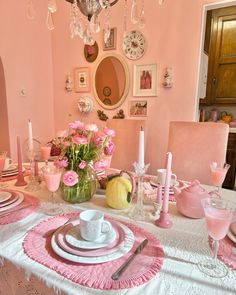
<point>128,244</point>
<point>13,199</point>
<point>4,196</point>
<point>10,168</point>
<point>231,236</point>
<point>74,238</point>
<point>16,203</point>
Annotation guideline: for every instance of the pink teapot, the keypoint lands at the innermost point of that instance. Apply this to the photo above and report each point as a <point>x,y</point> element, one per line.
<point>188,200</point>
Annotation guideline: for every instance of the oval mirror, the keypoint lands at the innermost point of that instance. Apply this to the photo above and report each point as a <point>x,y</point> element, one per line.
<point>111,81</point>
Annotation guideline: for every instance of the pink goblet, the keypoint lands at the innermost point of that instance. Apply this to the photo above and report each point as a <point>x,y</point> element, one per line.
<point>52,177</point>
<point>218,215</point>
<point>218,173</point>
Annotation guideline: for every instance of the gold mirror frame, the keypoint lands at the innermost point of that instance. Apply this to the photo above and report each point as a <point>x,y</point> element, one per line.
<point>127,79</point>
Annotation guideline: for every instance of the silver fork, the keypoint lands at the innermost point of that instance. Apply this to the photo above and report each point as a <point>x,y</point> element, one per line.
<point>51,232</point>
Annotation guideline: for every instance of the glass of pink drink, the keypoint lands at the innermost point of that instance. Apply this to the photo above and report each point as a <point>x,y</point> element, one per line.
<point>218,173</point>
<point>45,153</point>
<point>52,177</point>
<point>3,155</point>
<point>218,215</point>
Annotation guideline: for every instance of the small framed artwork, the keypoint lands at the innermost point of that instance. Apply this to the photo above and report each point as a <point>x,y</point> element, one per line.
<point>91,52</point>
<point>82,79</point>
<point>145,80</point>
<point>138,108</point>
<point>111,42</point>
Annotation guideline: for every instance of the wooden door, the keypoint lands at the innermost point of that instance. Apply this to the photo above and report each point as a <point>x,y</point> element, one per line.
<point>221,82</point>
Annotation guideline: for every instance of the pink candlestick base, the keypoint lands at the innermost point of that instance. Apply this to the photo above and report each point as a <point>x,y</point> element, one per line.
<point>20,180</point>
<point>164,220</point>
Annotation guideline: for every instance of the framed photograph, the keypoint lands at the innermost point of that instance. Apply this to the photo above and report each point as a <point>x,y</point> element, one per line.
<point>138,108</point>
<point>111,42</point>
<point>91,52</point>
<point>145,80</point>
<point>82,79</point>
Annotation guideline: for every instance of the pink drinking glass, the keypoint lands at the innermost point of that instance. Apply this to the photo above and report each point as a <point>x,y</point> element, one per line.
<point>218,173</point>
<point>52,177</point>
<point>218,216</point>
<point>3,155</point>
<point>45,153</point>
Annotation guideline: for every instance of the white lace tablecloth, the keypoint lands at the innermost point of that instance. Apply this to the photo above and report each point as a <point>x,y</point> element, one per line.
<point>184,245</point>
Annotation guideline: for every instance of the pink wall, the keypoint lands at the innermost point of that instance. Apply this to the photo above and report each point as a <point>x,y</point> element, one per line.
<point>28,53</point>
<point>25,50</point>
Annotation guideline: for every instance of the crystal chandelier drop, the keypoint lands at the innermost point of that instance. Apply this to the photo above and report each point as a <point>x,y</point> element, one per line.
<point>84,21</point>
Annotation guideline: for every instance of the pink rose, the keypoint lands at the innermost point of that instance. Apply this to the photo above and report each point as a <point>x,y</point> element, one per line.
<point>76,125</point>
<point>109,132</point>
<point>98,138</point>
<point>91,127</point>
<point>101,165</point>
<point>78,139</point>
<point>82,164</point>
<point>70,178</point>
<point>109,148</point>
<point>61,163</point>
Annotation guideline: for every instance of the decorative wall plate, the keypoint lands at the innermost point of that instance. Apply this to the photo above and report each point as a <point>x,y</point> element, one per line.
<point>134,45</point>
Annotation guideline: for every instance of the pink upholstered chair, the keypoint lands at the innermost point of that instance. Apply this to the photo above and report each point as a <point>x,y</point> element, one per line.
<point>126,141</point>
<point>194,146</point>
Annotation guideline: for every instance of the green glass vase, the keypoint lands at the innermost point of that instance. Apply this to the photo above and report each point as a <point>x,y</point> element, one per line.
<point>83,190</point>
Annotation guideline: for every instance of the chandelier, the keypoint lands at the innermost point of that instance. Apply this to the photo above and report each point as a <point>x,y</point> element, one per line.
<point>84,16</point>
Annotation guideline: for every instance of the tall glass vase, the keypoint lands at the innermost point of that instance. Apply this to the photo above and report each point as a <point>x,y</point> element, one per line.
<point>83,190</point>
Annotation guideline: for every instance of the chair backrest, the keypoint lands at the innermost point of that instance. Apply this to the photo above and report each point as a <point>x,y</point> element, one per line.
<point>126,141</point>
<point>194,145</point>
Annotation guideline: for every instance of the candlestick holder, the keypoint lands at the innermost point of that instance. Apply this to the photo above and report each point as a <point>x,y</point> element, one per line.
<point>164,220</point>
<point>137,212</point>
<point>33,184</point>
<point>20,180</point>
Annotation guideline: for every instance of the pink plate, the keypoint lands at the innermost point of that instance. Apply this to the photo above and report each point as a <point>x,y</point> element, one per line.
<point>233,228</point>
<point>111,248</point>
<point>11,200</point>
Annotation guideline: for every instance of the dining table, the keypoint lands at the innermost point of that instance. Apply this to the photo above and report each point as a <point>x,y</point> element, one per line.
<point>169,266</point>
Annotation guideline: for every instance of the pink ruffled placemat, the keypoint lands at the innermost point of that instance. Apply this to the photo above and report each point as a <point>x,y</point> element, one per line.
<point>16,216</point>
<point>226,252</point>
<point>37,245</point>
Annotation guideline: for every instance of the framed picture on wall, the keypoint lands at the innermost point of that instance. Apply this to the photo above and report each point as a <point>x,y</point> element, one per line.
<point>145,80</point>
<point>82,79</point>
<point>138,108</point>
<point>111,42</point>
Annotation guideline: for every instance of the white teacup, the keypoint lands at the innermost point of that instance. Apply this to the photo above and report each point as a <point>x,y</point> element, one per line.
<point>92,225</point>
<point>8,162</point>
<point>161,177</point>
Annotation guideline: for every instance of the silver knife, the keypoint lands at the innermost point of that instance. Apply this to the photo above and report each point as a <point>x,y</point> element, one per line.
<point>15,210</point>
<point>120,270</point>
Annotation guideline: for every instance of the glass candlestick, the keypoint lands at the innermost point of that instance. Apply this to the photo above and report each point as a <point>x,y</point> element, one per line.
<point>33,184</point>
<point>137,212</point>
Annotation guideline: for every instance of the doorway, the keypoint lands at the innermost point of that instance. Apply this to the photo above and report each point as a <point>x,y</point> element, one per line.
<point>4,127</point>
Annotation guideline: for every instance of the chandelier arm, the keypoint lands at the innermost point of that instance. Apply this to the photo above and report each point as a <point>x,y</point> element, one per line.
<point>112,2</point>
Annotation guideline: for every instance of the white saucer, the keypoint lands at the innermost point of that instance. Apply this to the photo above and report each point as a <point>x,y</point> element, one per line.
<point>4,196</point>
<point>154,182</point>
<point>74,238</point>
<point>19,200</point>
<point>128,244</point>
<point>10,168</point>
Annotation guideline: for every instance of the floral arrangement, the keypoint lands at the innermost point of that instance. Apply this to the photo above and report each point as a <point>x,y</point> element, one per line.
<point>81,149</point>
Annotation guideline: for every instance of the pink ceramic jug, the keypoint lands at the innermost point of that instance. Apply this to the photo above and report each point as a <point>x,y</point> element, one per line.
<point>188,200</point>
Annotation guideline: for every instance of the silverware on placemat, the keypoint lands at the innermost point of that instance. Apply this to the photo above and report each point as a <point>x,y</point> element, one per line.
<point>15,210</point>
<point>120,270</point>
<point>51,232</point>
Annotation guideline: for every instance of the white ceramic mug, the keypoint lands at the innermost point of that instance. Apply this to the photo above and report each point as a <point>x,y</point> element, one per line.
<point>92,225</point>
<point>161,177</point>
<point>8,162</point>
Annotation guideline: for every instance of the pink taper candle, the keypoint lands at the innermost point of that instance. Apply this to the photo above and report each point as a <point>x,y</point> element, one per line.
<point>159,194</point>
<point>167,184</point>
<point>20,178</point>
<point>19,155</point>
